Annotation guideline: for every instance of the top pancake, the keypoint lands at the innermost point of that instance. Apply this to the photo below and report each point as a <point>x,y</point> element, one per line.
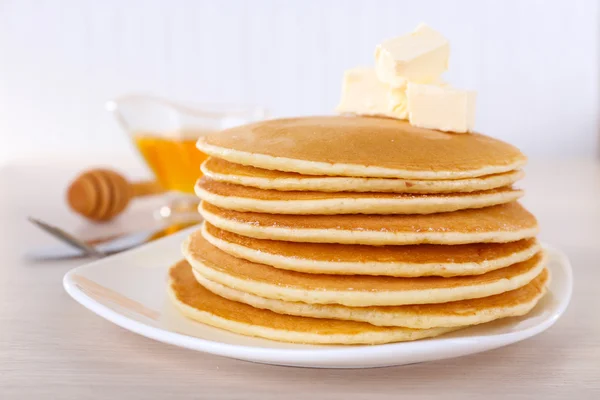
<point>362,147</point>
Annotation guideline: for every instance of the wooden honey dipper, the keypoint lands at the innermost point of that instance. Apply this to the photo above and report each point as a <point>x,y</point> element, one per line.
<point>101,194</point>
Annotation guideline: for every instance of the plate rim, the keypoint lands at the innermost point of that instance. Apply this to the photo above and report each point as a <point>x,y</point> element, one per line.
<point>294,356</point>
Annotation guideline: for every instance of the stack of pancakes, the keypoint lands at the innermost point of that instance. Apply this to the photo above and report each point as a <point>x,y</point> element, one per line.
<point>357,230</point>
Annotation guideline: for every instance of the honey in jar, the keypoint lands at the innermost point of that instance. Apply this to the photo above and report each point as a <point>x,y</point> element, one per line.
<point>173,158</point>
<point>165,134</point>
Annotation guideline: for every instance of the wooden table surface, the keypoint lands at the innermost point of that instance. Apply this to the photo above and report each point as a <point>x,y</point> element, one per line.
<point>51,347</point>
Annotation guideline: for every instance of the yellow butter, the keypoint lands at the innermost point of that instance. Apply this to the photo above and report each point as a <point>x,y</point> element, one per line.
<point>421,56</point>
<point>364,94</point>
<point>441,107</point>
<point>397,102</point>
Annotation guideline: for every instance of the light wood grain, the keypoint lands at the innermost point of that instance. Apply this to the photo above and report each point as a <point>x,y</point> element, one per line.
<point>51,347</point>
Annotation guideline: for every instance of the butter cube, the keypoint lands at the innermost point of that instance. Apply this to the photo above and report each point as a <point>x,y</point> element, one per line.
<point>397,103</point>
<point>441,107</point>
<point>421,56</point>
<point>364,94</point>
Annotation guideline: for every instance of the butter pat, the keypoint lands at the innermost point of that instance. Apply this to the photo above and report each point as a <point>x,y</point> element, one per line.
<point>441,107</point>
<point>364,94</point>
<point>421,56</point>
<point>397,103</point>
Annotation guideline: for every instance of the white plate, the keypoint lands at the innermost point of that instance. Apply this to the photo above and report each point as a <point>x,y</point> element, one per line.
<point>129,289</point>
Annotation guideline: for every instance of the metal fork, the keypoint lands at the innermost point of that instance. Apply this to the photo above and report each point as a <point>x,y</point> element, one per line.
<point>68,238</point>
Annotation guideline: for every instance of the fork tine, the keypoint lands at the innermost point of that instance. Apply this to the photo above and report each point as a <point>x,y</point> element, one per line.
<point>67,238</point>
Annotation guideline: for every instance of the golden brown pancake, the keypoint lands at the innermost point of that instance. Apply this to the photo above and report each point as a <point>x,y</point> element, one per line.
<point>245,175</point>
<point>348,259</point>
<point>243,198</point>
<point>497,224</point>
<point>363,147</point>
<point>457,313</point>
<point>198,303</point>
<point>353,290</point>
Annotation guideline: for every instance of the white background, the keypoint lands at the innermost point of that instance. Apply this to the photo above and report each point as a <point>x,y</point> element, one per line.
<point>534,63</point>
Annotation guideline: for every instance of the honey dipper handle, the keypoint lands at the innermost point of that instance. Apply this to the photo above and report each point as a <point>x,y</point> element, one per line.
<point>146,188</point>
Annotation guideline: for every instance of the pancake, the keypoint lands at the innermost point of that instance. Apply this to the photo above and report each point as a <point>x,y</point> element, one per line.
<point>242,198</point>
<point>347,259</point>
<point>498,224</point>
<point>200,304</point>
<point>352,290</point>
<point>224,171</point>
<point>458,313</point>
<point>361,147</point>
